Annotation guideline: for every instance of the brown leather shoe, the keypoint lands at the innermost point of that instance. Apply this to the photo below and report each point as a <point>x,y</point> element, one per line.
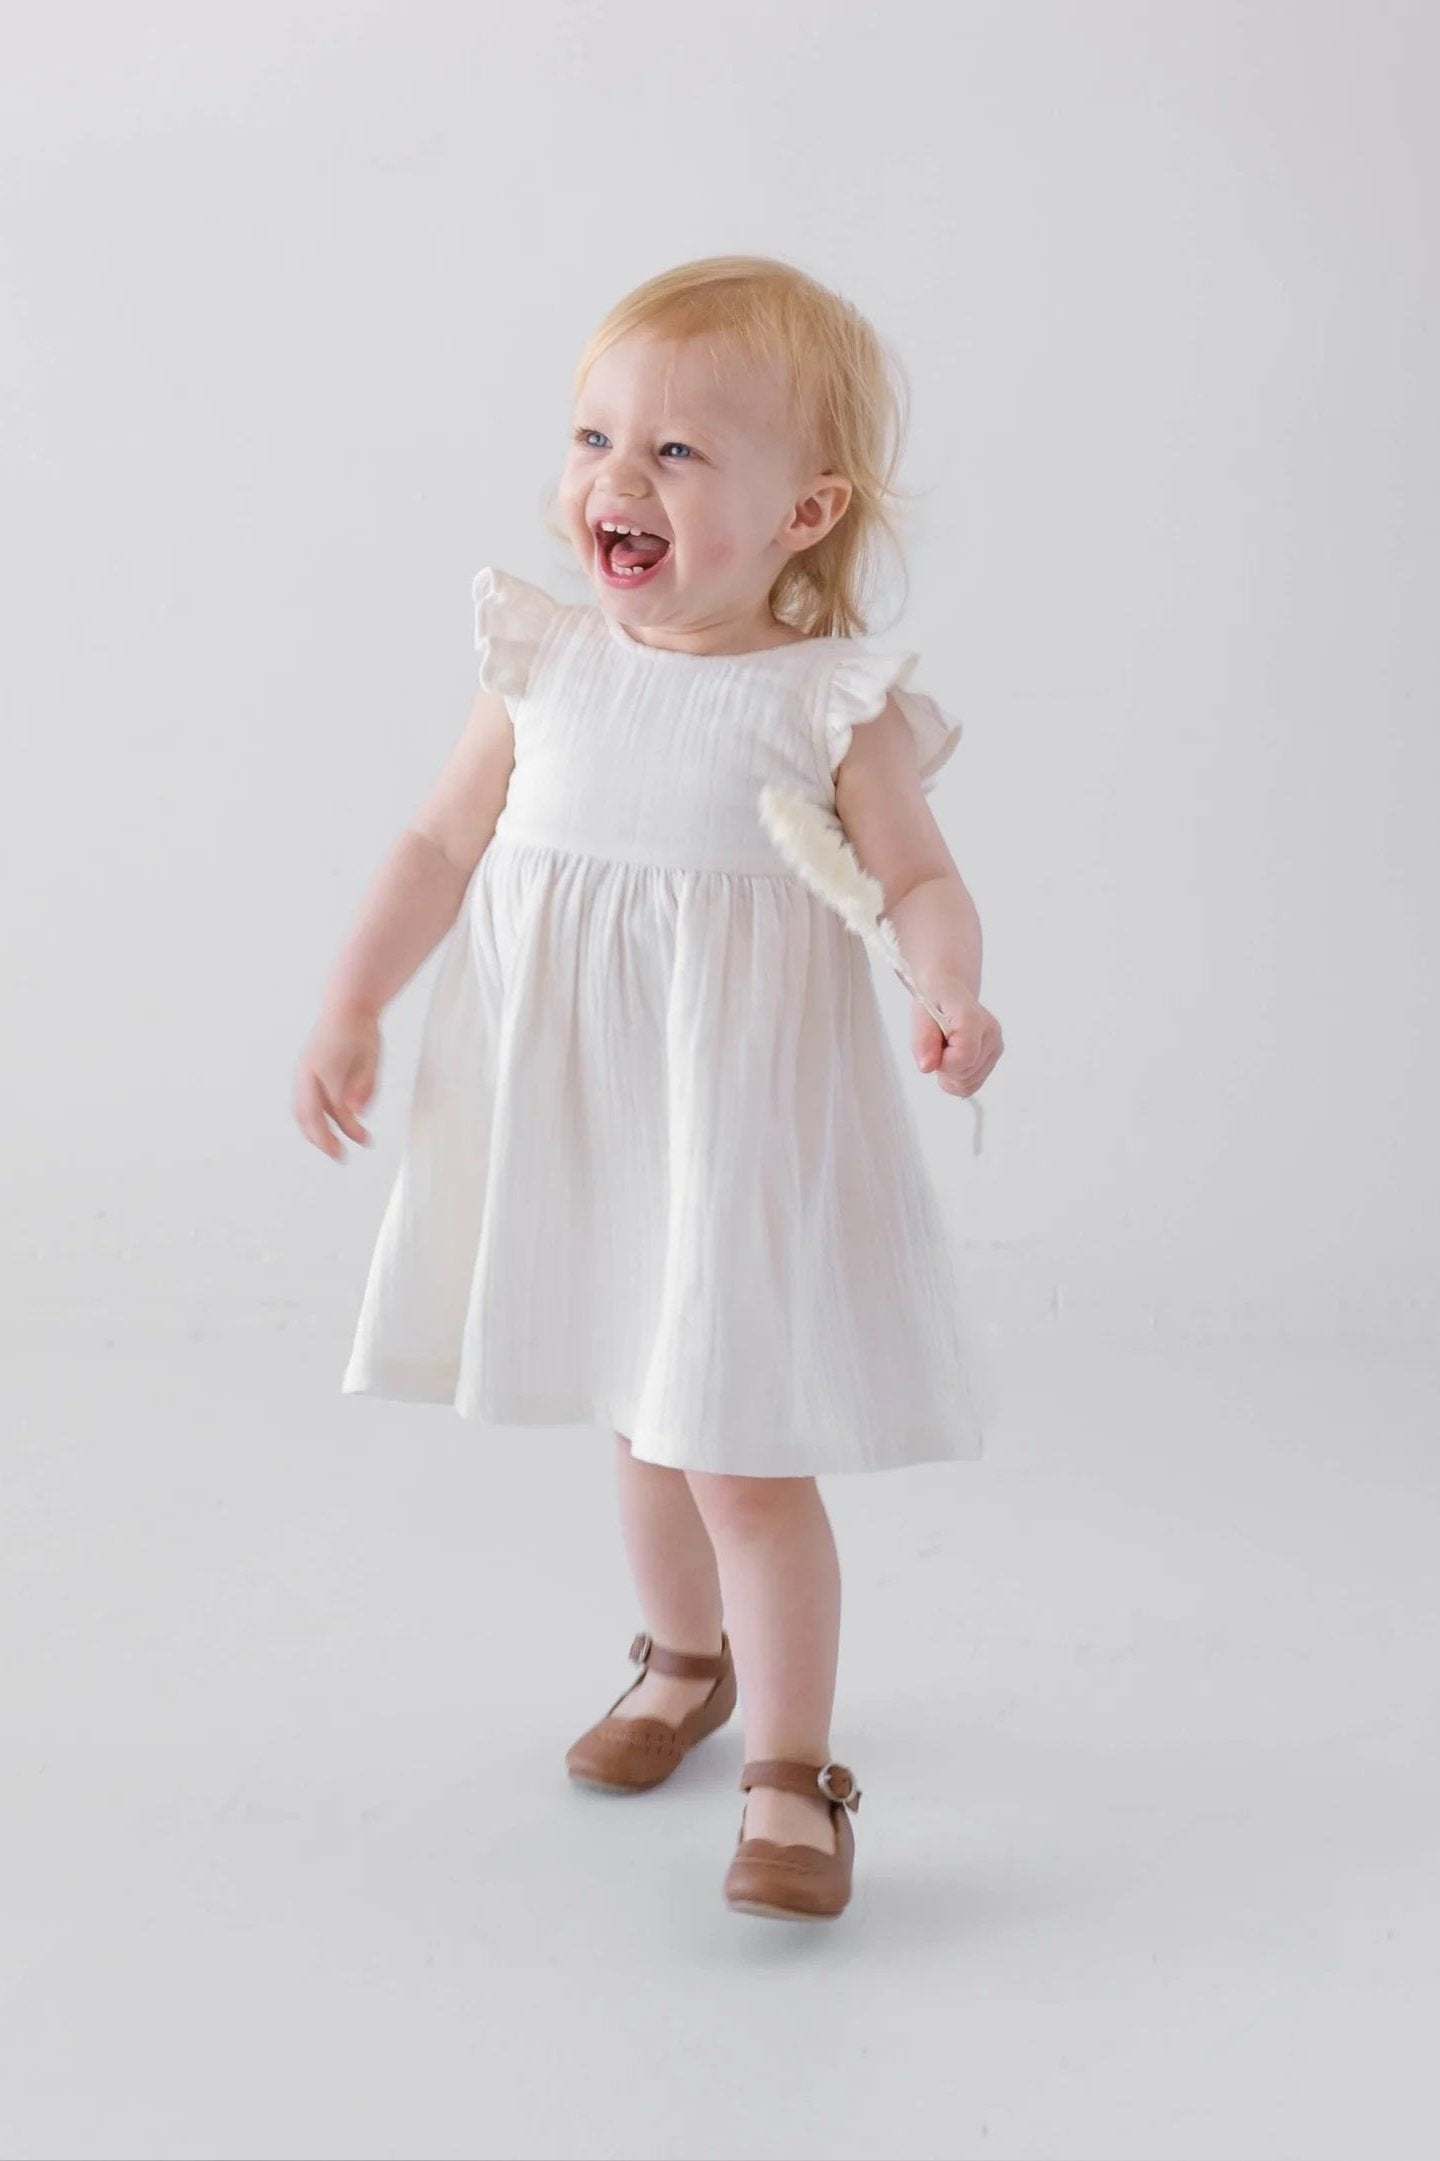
<point>629,1755</point>
<point>796,1883</point>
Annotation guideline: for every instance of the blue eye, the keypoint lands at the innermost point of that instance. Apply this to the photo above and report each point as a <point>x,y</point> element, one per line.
<point>582,436</point>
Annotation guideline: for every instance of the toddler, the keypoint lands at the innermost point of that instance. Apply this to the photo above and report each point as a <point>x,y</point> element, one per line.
<point>661,1174</point>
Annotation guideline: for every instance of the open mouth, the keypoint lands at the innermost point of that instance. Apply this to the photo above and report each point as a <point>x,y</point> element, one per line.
<point>630,558</point>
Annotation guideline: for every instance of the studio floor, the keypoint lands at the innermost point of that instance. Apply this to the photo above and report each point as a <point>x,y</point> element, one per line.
<point>1143,1705</point>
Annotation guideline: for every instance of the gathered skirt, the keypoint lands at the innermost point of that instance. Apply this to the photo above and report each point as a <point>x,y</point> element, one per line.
<point>661,1174</point>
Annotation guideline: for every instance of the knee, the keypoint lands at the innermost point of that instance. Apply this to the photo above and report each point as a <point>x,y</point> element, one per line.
<point>739,1508</point>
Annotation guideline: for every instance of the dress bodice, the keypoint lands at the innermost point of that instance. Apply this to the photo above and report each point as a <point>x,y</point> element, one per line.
<point>647,755</point>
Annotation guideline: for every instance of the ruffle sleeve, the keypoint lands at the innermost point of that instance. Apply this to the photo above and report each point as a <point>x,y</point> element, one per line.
<point>858,690</point>
<point>511,619</point>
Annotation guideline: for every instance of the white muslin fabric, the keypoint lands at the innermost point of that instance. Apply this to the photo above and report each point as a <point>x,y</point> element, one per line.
<point>660,1172</point>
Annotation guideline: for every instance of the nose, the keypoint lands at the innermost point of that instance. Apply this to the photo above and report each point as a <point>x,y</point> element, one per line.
<point>620,478</point>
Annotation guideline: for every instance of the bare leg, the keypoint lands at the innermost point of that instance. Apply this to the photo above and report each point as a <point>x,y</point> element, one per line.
<point>781,1579</point>
<point>673,1563</point>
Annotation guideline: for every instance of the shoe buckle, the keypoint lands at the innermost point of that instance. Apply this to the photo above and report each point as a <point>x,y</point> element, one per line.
<point>850,1793</point>
<point>641,1648</point>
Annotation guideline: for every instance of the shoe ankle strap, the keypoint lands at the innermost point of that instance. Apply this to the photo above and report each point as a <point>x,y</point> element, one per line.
<point>653,1657</point>
<point>836,1781</point>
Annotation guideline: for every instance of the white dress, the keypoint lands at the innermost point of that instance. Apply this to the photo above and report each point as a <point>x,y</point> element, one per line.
<point>661,1174</point>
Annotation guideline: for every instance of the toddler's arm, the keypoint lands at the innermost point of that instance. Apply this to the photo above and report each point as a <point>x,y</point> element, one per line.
<point>890,825</point>
<point>413,899</point>
<point>416,893</point>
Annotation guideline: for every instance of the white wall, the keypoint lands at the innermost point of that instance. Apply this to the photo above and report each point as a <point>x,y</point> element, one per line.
<point>291,300</point>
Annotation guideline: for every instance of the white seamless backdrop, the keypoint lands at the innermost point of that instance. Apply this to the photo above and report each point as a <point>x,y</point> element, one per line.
<point>290,308</point>
<point>1142,1703</point>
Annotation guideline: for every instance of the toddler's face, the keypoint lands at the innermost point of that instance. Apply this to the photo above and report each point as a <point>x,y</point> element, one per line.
<point>711,468</point>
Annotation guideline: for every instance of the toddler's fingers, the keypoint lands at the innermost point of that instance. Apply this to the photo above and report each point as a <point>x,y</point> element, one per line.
<point>976,1069</point>
<point>310,1116</point>
<point>346,1119</point>
<point>927,1041</point>
<point>962,1066</point>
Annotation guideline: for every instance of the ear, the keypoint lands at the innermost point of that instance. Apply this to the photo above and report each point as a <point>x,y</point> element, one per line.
<point>816,512</point>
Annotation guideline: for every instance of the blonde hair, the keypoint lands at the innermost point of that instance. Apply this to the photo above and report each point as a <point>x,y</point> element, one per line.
<point>848,406</point>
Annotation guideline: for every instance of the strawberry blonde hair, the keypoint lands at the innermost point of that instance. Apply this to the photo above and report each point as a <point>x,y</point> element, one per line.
<point>848,403</point>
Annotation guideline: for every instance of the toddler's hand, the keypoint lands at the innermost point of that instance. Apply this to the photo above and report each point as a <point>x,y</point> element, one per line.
<point>963,1062</point>
<point>336,1078</point>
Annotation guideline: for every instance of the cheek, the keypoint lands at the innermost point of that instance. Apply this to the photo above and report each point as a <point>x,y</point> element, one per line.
<point>569,504</point>
<point>717,551</point>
